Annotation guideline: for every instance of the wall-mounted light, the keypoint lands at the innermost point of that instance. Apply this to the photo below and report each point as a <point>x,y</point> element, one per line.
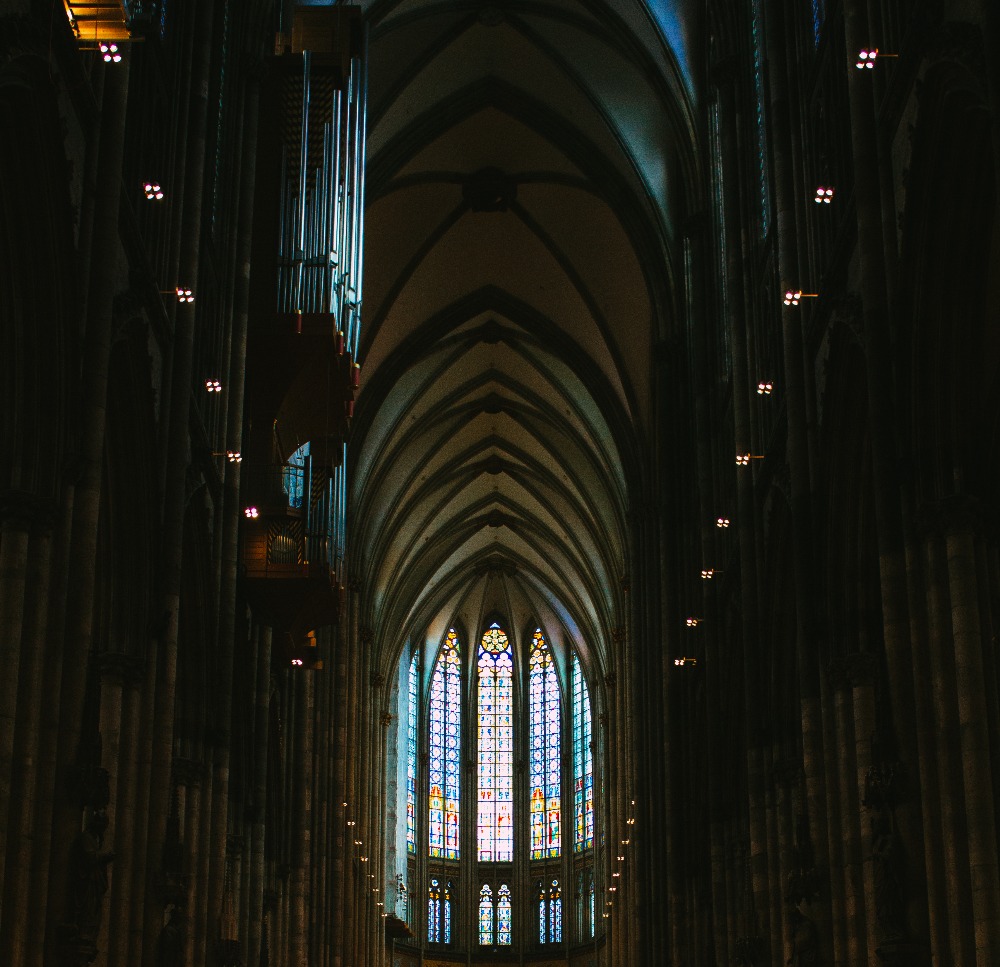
<point>692,622</point>
<point>867,57</point>
<point>722,522</point>
<point>621,859</point>
<point>296,662</point>
<point>824,195</point>
<point>251,513</point>
<point>794,296</point>
<point>765,388</point>
<point>110,53</point>
<point>743,459</point>
<point>213,386</point>
<point>152,190</point>
<point>234,456</point>
<point>707,573</point>
<point>681,662</point>
<point>184,295</point>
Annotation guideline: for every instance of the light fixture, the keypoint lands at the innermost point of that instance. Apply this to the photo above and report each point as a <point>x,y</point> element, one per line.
<point>765,388</point>
<point>213,386</point>
<point>364,859</point>
<point>743,459</point>
<point>616,874</point>
<point>350,822</point>
<point>153,191</point>
<point>681,662</point>
<point>707,573</point>
<point>234,456</point>
<point>612,889</point>
<point>184,294</point>
<point>621,859</point>
<point>794,296</point>
<point>868,56</point>
<point>296,661</point>
<point>110,53</point>
<point>722,522</point>
<point>824,195</point>
<point>692,622</point>
<point>251,513</point>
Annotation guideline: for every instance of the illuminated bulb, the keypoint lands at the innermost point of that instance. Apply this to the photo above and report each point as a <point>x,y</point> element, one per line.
<point>764,389</point>
<point>184,295</point>
<point>234,456</point>
<point>722,522</point>
<point>153,191</point>
<point>692,622</point>
<point>110,53</point>
<point>297,662</point>
<point>823,195</point>
<point>251,512</point>
<point>350,822</point>
<point>866,58</point>
<point>707,574</point>
<point>792,297</point>
<point>613,889</point>
<point>616,874</point>
<point>213,386</point>
<point>364,859</point>
<point>621,859</point>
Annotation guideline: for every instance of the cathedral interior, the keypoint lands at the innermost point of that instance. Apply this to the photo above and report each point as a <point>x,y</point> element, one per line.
<point>499,482</point>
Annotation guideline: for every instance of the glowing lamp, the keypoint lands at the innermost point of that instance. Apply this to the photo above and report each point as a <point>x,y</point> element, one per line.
<point>823,195</point>
<point>184,295</point>
<point>296,662</point>
<point>110,53</point>
<point>722,522</point>
<point>765,388</point>
<point>692,622</point>
<point>866,58</point>
<point>213,386</point>
<point>234,456</point>
<point>152,190</point>
<point>251,513</point>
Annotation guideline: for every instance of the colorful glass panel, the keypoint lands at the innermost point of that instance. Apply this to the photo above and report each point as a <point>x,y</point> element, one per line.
<point>485,916</point>
<point>446,918</point>
<point>583,763</point>
<point>555,913</point>
<point>496,747</point>
<point>504,916</point>
<point>757,30</point>
<point>434,913</point>
<point>411,760</point>
<point>545,730</point>
<point>445,750</point>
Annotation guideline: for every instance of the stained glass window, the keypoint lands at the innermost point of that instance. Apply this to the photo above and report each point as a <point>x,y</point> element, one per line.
<point>819,12</point>
<point>545,731</point>
<point>583,763</point>
<point>411,759</point>
<point>496,747</point>
<point>504,915</point>
<point>434,913</point>
<point>446,914</point>
<point>759,89</point>
<point>549,913</point>
<point>445,750</point>
<point>485,916</point>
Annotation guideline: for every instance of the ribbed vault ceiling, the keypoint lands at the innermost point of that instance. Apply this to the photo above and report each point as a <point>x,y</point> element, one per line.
<point>526,163</point>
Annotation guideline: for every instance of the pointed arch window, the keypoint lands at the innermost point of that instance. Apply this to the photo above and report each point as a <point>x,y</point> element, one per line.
<point>445,750</point>
<point>583,763</point>
<point>485,916</point>
<point>411,758</point>
<point>543,687</point>
<point>504,916</point>
<point>496,747</point>
<point>434,912</point>
<point>549,912</point>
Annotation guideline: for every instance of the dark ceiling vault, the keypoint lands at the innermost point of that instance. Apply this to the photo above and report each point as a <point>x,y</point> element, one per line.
<point>527,166</point>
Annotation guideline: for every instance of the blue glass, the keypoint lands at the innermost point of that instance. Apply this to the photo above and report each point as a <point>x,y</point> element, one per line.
<point>583,763</point>
<point>495,820</point>
<point>545,792</point>
<point>445,751</point>
<point>411,759</point>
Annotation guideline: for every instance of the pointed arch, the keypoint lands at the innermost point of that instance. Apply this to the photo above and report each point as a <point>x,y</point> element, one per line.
<point>495,833</point>
<point>546,715</point>
<point>445,726</point>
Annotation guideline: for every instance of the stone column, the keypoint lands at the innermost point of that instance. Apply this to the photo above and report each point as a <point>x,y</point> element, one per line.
<point>15,526</point>
<point>974,728</point>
